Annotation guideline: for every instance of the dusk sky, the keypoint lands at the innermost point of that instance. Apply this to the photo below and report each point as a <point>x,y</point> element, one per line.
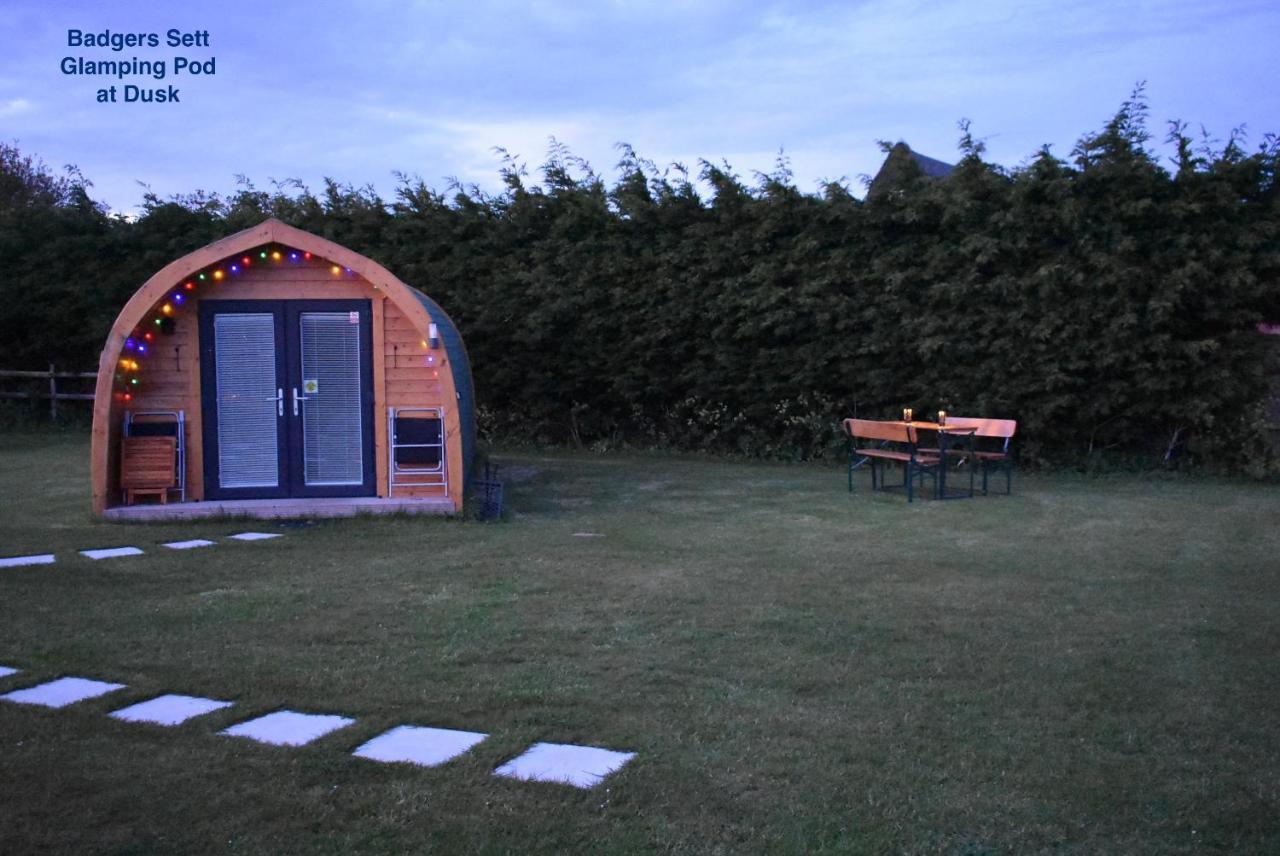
<point>357,91</point>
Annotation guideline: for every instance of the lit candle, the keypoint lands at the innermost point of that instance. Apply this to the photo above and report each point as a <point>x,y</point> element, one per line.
<point>942,417</point>
<point>906,414</point>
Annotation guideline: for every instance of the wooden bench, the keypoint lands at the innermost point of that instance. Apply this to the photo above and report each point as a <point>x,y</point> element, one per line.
<point>903,450</point>
<point>991,457</point>
<point>147,466</point>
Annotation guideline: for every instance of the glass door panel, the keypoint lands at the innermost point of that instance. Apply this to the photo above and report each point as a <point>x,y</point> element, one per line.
<point>242,371</point>
<point>332,412</point>
<point>245,369</point>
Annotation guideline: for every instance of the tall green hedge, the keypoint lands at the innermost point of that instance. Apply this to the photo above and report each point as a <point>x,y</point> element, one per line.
<point>1105,302</point>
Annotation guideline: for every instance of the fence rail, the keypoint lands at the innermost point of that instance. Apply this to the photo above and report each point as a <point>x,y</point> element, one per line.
<point>53,394</point>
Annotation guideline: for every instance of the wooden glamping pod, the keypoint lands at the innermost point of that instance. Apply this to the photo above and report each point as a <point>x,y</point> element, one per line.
<point>275,373</point>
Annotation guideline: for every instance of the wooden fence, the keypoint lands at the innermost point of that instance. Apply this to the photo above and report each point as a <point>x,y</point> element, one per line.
<point>49,389</point>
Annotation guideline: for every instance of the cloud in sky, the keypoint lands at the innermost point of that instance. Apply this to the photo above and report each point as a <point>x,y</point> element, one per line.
<point>14,107</point>
<point>357,91</point>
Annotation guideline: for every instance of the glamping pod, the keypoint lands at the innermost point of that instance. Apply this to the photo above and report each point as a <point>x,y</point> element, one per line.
<point>275,373</point>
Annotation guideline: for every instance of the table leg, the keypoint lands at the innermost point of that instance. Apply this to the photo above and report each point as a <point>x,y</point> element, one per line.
<point>940,482</point>
<point>971,462</point>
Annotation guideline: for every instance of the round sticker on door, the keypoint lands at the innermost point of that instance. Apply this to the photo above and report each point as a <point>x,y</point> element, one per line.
<point>310,386</point>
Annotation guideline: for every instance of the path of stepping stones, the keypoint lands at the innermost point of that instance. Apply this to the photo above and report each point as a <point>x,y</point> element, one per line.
<point>580,766</point>
<point>119,552</point>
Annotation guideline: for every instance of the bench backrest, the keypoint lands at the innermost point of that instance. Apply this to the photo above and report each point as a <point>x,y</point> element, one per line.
<point>869,429</point>
<point>1003,428</point>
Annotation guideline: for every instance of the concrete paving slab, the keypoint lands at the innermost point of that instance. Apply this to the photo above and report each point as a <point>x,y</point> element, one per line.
<point>23,561</point>
<point>426,747</point>
<point>580,766</point>
<point>288,728</point>
<point>188,545</point>
<point>169,709</point>
<point>62,692</point>
<point>111,553</point>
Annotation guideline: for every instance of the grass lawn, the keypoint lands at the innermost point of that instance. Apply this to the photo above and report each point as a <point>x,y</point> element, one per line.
<point>1087,666</point>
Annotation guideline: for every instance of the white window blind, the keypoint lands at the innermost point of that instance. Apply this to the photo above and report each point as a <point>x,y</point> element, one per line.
<point>245,348</point>
<point>332,432</point>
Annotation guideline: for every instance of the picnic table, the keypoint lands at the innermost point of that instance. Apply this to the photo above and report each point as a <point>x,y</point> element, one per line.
<point>898,442</point>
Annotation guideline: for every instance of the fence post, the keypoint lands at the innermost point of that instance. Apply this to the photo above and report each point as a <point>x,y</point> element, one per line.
<point>53,393</point>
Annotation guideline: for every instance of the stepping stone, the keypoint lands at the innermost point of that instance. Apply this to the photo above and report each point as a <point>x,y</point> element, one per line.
<point>5,671</point>
<point>255,536</point>
<point>62,692</point>
<point>188,545</point>
<point>111,553</point>
<point>287,728</point>
<point>580,766</point>
<point>20,561</point>
<point>426,747</point>
<point>169,709</point>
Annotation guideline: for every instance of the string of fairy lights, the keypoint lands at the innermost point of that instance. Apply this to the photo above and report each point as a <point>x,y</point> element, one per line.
<point>161,321</point>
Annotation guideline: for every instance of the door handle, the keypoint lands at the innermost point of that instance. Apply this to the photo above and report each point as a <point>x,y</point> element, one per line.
<point>297,398</point>
<point>279,401</point>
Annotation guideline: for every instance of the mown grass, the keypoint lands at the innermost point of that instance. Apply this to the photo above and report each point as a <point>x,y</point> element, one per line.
<point>1086,666</point>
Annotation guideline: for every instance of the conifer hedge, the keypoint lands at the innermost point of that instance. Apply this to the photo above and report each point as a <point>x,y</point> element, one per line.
<point>1107,303</point>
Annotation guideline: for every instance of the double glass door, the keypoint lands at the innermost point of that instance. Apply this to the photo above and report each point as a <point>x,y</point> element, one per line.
<point>287,398</point>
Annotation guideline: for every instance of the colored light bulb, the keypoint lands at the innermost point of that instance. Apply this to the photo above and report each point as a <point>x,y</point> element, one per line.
<point>133,381</point>
<point>177,297</point>
<point>130,343</point>
<point>157,322</point>
<point>307,256</point>
<point>293,256</point>
<point>128,397</point>
<point>335,270</point>
<point>217,274</point>
<point>142,349</point>
<point>262,255</point>
<point>202,276</point>
<point>189,286</point>
<point>275,257</point>
<point>235,268</point>
<point>166,309</point>
<point>245,261</point>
